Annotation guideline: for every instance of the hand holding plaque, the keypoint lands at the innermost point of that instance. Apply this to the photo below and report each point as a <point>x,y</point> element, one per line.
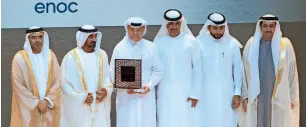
<point>145,89</point>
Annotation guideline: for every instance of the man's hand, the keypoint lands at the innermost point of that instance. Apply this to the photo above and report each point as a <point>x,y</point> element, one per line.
<point>43,106</point>
<point>146,89</point>
<point>131,91</point>
<point>101,94</point>
<point>89,99</point>
<point>236,101</point>
<point>194,102</point>
<point>245,104</point>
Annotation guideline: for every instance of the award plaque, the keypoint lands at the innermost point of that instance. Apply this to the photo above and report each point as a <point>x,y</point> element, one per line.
<point>127,74</point>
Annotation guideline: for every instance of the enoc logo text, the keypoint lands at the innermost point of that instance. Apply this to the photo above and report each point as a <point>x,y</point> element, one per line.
<point>53,7</point>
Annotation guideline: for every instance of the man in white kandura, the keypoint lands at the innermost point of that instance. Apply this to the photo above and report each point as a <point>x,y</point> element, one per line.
<point>85,82</point>
<point>271,86</point>
<point>222,74</point>
<point>179,89</point>
<point>137,109</point>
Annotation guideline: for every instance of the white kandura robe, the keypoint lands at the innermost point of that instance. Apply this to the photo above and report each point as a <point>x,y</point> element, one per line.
<point>222,79</point>
<point>37,61</point>
<point>138,110</point>
<point>75,112</point>
<point>181,59</point>
<point>40,75</point>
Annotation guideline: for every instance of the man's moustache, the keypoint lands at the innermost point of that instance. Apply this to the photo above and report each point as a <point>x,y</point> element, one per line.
<point>93,43</point>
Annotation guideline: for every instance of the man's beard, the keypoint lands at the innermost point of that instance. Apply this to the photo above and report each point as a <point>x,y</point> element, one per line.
<point>217,36</point>
<point>36,45</point>
<point>92,44</point>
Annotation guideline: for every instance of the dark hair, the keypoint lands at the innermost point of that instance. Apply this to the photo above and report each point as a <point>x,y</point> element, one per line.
<point>208,26</point>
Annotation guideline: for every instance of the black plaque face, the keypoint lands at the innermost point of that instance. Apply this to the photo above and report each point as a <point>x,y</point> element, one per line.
<point>127,74</point>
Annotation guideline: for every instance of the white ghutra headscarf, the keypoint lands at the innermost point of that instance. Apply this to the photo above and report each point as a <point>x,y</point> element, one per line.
<point>254,51</point>
<point>172,15</point>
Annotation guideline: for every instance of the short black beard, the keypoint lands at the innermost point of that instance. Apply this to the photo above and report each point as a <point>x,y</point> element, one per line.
<point>92,44</point>
<point>215,36</point>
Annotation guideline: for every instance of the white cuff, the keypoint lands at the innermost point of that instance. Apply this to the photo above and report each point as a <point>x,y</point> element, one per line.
<point>94,95</point>
<point>109,91</point>
<point>50,104</point>
<point>150,86</point>
<point>82,98</point>
<point>237,91</point>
